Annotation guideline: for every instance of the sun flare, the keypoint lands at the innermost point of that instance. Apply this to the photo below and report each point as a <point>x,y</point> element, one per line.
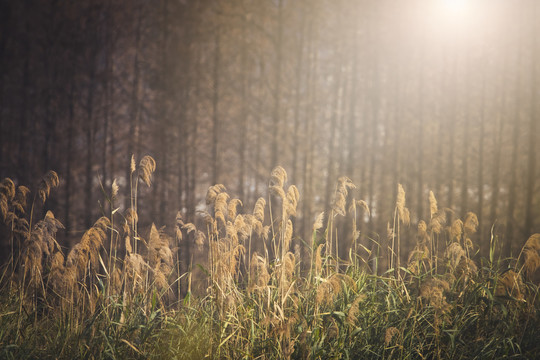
<point>455,7</point>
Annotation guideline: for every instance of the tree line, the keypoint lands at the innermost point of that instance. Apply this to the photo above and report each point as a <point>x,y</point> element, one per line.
<point>222,92</point>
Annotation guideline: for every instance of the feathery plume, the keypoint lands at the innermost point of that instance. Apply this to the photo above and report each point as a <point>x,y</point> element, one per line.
<point>259,276</point>
<point>233,204</point>
<point>278,176</point>
<point>287,236</point>
<point>265,232</point>
<point>340,196</point>
<point>456,230</point>
<point>242,229</point>
<point>258,211</point>
<point>289,263</point>
<point>278,191</point>
<point>114,189</point>
<point>292,200</point>
<point>189,227</point>
<point>422,235</point>
<point>433,291</point>
<point>354,309</point>
<point>531,253</point>
<point>318,259</point>
<point>510,284</point>
<point>432,204</point>
<point>213,192</point>
<point>7,188</point>
<point>199,240</point>
<point>389,334</point>
<point>437,221</point>
<point>470,224</point>
<point>466,268</point>
<point>340,202</point>
<point>131,217</point>
<point>132,164</point>
<point>454,252</point>
<point>48,182</point>
<point>147,166</point>
<point>220,206</point>
<point>318,222</point>
<point>361,204</point>
<point>403,212</point>
<point>19,203</point>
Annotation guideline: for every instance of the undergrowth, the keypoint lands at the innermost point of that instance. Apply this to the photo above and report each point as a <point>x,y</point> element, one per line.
<point>269,294</point>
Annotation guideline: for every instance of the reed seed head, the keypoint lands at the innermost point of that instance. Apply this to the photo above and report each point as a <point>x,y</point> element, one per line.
<point>213,192</point>
<point>278,177</point>
<point>432,204</point>
<point>48,182</point>
<point>531,254</point>
<point>147,166</point>
<point>258,211</point>
<point>318,222</point>
<point>470,224</point>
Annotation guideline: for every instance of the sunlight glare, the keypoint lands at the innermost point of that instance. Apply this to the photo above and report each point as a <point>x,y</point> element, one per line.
<point>454,17</point>
<point>455,7</point>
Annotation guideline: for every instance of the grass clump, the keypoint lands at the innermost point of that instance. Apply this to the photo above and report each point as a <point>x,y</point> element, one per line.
<point>266,294</point>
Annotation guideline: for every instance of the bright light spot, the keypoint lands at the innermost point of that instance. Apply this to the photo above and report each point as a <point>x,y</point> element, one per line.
<point>454,17</point>
<point>455,7</point>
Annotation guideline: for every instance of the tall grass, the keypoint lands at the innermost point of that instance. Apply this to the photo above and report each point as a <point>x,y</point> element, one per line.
<point>116,294</point>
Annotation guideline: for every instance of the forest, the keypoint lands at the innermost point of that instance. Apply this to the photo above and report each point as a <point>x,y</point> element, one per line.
<point>307,179</point>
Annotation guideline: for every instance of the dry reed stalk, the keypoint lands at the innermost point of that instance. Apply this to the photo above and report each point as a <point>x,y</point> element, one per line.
<point>432,291</point>
<point>221,207</point>
<point>318,224</point>
<point>356,234</point>
<point>453,253</point>
<point>435,227</point>
<point>401,216</point>
<point>531,254</point>
<point>419,258</point>
<point>456,231</point>
<point>213,192</point>
<point>147,166</point>
<point>432,205</point>
<point>259,276</point>
<point>288,265</point>
<point>318,260</point>
<point>340,195</point>
<point>49,181</point>
<point>258,211</point>
<point>292,197</point>
<point>86,252</point>
<point>329,289</point>
<point>403,212</point>
<point>355,309</point>
<point>470,225</point>
<point>278,177</point>
<point>200,238</point>
<point>389,334</point>
<point>7,194</point>
<point>339,204</point>
<point>466,269</point>
<point>233,207</point>
<point>40,242</point>
<point>510,284</point>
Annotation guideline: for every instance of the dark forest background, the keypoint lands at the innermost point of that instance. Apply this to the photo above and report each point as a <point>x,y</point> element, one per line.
<point>383,92</point>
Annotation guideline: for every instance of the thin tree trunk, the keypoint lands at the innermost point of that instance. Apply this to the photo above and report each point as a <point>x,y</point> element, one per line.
<point>533,121</point>
<point>215,109</point>
<point>135,107</point>
<point>277,89</point>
